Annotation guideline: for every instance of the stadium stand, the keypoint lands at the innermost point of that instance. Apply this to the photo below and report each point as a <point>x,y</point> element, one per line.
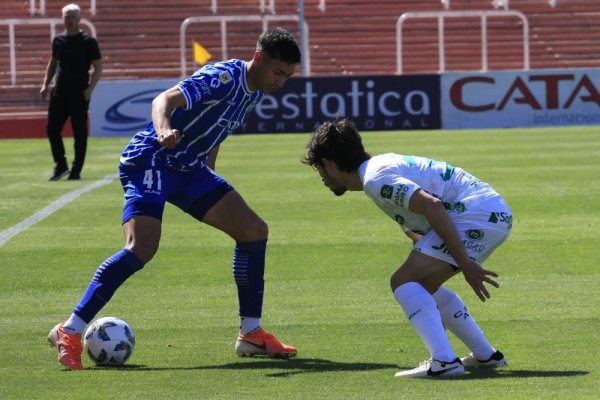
<point>140,40</point>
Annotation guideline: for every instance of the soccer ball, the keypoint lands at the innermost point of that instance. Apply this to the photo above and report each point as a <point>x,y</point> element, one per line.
<point>109,341</point>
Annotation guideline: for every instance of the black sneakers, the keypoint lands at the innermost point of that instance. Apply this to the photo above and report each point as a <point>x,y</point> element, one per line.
<point>60,171</point>
<point>74,176</point>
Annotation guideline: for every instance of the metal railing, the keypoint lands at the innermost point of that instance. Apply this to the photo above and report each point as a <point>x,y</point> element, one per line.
<point>33,10</point>
<point>224,19</point>
<point>498,4</point>
<point>263,7</point>
<point>442,15</point>
<point>11,23</point>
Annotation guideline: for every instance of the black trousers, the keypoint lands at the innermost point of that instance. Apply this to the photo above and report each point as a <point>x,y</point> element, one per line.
<point>62,106</point>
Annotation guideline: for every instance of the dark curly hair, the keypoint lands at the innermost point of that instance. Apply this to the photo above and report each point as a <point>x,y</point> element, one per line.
<point>279,44</point>
<point>338,141</point>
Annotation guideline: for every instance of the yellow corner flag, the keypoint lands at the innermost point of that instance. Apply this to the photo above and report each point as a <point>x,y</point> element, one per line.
<point>201,55</point>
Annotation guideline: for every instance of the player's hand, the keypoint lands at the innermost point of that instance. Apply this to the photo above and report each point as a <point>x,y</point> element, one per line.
<point>168,138</point>
<point>476,276</point>
<point>43,92</point>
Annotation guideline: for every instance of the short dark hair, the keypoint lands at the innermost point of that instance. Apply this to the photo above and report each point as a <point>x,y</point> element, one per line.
<point>279,44</point>
<point>338,141</point>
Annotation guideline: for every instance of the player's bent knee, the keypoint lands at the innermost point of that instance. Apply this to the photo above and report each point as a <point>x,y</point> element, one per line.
<point>395,282</point>
<point>261,230</point>
<point>398,279</point>
<point>257,229</point>
<point>145,252</point>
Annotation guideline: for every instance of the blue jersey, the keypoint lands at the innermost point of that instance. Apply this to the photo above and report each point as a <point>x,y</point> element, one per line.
<point>217,102</point>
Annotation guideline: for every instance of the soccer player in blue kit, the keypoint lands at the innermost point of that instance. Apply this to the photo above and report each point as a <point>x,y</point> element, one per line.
<point>455,221</point>
<point>173,160</point>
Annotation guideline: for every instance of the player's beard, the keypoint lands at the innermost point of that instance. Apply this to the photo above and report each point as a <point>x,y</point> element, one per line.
<point>328,181</point>
<point>338,191</point>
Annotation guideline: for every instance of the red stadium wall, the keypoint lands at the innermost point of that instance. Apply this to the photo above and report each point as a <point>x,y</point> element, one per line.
<point>28,127</point>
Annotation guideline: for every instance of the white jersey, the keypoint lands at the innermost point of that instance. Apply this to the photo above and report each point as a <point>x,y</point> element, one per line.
<point>390,180</point>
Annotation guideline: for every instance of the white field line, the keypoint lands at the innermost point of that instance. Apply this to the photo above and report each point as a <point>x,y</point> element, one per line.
<point>6,235</point>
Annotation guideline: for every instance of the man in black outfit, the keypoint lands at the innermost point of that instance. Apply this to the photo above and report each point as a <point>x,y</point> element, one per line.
<point>72,54</point>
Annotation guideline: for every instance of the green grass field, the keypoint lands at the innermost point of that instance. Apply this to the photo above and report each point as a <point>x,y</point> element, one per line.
<point>328,266</point>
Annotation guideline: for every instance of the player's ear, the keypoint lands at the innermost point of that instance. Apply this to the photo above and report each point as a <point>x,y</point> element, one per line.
<point>328,164</point>
<point>257,56</point>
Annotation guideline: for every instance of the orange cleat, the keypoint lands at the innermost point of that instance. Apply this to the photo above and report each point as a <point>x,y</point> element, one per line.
<point>261,343</point>
<point>68,346</point>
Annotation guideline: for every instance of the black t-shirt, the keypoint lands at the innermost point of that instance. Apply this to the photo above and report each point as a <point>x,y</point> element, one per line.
<point>74,55</point>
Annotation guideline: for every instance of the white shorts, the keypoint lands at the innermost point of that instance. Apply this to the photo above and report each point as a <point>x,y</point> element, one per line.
<point>481,229</point>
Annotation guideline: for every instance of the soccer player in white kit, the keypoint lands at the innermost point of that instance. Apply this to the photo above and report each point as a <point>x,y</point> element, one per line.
<point>455,222</point>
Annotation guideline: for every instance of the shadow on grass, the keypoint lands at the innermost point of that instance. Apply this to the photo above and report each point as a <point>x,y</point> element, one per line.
<point>505,373</point>
<point>294,366</point>
<point>490,373</point>
<point>282,367</point>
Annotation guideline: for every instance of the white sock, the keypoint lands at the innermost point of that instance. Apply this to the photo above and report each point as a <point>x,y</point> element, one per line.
<point>74,324</point>
<point>459,321</point>
<point>248,324</point>
<point>422,312</point>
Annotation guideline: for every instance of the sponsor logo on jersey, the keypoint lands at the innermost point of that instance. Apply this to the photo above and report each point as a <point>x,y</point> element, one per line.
<point>224,77</point>
<point>474,234</point>
<point>399,219</point>
<point>476,247</point>
<point>442,247</point>
<point>496,217</point>
<point>204,87</point>
<point>250,106</point>
<point>458,207</point>
<point>215,83</point>
<point>228,124</point>
<point>386,191</point>
<point>400,195</point>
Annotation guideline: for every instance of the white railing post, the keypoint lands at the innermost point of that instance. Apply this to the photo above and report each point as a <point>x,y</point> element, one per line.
<point>13,57</point>
<point>441,46</point>
<point>501,4</point>
<point>322,6</point>
<point>224,47</point>
<point>484,42</point>
<point>270,8</point>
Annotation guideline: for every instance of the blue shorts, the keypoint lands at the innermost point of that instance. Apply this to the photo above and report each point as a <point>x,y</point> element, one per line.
<point>147,190</point>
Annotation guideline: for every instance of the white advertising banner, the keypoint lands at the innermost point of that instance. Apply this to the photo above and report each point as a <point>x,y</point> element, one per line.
<point>122,108</point>
<point>520,98</point>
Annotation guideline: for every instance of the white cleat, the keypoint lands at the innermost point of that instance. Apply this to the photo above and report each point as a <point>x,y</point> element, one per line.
<point>434,369</point>
<point>496,360</point>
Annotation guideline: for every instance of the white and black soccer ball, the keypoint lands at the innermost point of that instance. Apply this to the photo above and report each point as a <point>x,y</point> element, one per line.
<point>109,341</point>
